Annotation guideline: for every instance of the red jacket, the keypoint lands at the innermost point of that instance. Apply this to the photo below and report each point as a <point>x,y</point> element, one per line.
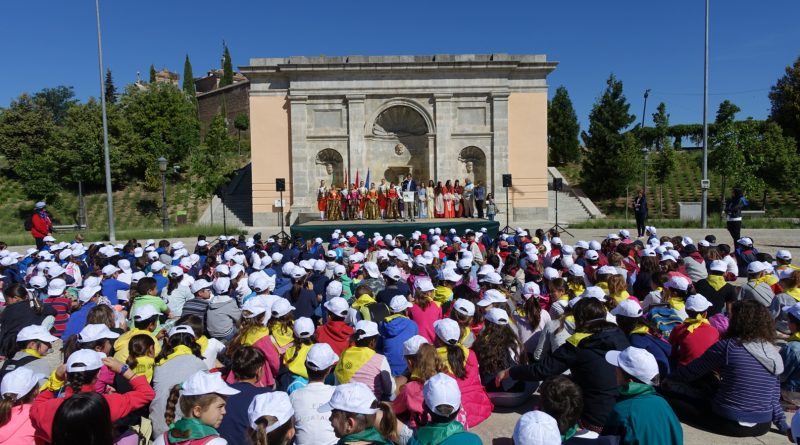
<point>46,404</point>
<point>336,334</point>
<point>687,346</point>
<point>42,225</point>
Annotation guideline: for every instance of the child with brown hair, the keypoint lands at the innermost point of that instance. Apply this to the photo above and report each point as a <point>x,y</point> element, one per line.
<point>141,355</point>
<point>17,391</point>
<point>253,332</point>
<point>271,419</point>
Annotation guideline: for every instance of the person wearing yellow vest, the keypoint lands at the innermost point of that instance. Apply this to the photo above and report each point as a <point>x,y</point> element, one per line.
<point>695,335</point>
<point>295,357</point>
<point>145,320</point>
<point>30,350</point>
<point>790,379</point>
<point>719,292</point>
<point>757,288</point>
<point>280,325</point>
<point>360,363</point>
<point>444,291</point>
<point>253,332</point>
<point>783,258</point>
<point>790,282</point>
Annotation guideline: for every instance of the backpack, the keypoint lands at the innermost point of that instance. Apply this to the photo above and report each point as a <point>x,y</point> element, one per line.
<point>11,365</point>
<point>376,312</point>
<point>28,223</point>
<point>665,318</point>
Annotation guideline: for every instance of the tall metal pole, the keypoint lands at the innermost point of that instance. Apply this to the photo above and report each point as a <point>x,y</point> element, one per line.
<point>644,149</point>
<point>112,236</point>
<point>164,214</point>
<point>704,185</point>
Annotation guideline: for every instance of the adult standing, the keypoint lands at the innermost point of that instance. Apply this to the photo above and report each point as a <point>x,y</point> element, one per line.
<point>640,212</point>
<point>409,185</point>
<point>733,210</point>
<point>469,198</point>
<point>480,197</point>
<point>41,224</point>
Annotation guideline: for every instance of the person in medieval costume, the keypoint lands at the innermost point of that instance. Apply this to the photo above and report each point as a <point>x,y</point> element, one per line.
<point>322,199</point>
<point>393,203</point>
<point>334,209</point>
<point>371,208</point>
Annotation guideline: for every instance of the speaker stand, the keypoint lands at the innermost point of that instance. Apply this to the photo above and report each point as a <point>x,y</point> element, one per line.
<point>559,228</point>
<point>282,235</point>
<point>507,229</point>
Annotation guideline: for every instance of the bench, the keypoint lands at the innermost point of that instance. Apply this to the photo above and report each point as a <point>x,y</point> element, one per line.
<point>756,213</point>
<point>69,228</point>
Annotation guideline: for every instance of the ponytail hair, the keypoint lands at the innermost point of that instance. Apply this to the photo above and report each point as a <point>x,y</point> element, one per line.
<point>177,340</point>
<point>388,424</point>
<point>10,400</point>
<point>77,380</point>
<point>260,436</point>
<point>138,347</point>
<point>456,359</point>
<point>246,324</point>
<point>187,403</point>
<point>172,402</point>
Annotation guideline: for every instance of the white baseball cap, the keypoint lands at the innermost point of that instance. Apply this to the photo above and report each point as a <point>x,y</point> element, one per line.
<point>262,284</point>
<point>576,270</point>
<point>745,241</point>
<point>297,272</point>
<point>35,332</point>
<point>411,346</point>
<point>199,285</point>
<point>493,278</point>
<point>536,428</point>
<point>464,306</point>
<point>337,306</point>
<point>254,307</point>
<point>424,284</point>
<point>783,254</point>
<point>110,270</point>
<point>275,404</point>
<point>392,272</point>
<point>793,310</point>
<point>677,282</point>
<point>447,330</point>
<point>320,357</point>
<point>56,287</point>
<point>442,390</point>
<point>594,292</point>
<point>637,362</point>
<point>87,293</point>
<point>94,332</point>
<point>320,265</point>
<point>756,267</point>
<point>492,296</point>
<point>281,307</point>
<point>85,360</point>
<point>38,282</point>
<point>157,266</point>
<point>607,270</point>
<point>697,303</point>
<point>221,285</point>
<point>627,308</point>
<point>20,381</point>
<point>399,303</point>
<point>551,274</point>
<point>372,269</point>
<point>303,327</point>
<point>365,329</point>
<point>333,289</point>
<point>181,329</point>
<point>718,266</point>
<point>145,312</point>
<point>451,275</point>
<point>339,270</point>
<point>591,255</point>
<point>530,289</point>
<point>206,382</point>
<point>352,397</point>
<point>497,316</point>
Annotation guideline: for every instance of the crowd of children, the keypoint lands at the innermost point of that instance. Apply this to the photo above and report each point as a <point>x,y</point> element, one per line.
<point>396,339</point>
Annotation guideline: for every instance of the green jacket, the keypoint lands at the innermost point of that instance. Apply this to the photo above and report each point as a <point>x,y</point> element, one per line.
<point>370,435</point>
<point>450,433</point>
<point>641,416</point>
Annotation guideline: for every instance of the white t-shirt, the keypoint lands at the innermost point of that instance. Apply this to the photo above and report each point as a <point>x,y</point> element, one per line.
<point>212,351</point>
<point>312,427</point>
<point>218,441</point>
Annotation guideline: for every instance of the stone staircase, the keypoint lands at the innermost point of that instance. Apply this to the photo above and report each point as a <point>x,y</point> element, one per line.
<point>573,205</point>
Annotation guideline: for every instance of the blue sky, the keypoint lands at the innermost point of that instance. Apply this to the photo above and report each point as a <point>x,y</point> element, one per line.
<point>656,45</point>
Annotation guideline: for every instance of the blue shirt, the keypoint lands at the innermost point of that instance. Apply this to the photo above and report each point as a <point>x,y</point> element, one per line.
<point>235,423</point>
<point>111,286</point>
<point>161,282</point>
<point>77,320</point>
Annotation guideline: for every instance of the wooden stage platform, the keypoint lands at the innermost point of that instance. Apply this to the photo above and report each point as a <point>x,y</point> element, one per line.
<point>324,229</point>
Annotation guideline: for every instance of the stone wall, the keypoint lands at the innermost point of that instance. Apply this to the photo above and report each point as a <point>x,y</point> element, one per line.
<point>235,100</point>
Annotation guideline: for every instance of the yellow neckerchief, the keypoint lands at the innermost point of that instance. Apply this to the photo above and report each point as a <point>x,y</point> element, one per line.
<point>794,337</point>
<point>677,304</point>
<point>758,281</point>
<point>203,343</point>
<point>770,279</point>
<point>362,300</point>
<point>464,335</point>
<point>619,297</point>
<point>570,319</point>
<point>694,323</point>
<point>392,317</point>
<point>282,336</point>
<point>716,281</point>
<point>577,337</point>
<point>144,366</point>
<point>352,360</point>
<point>33,352</point>
<point>793,292</point>
<point>254,334</point>
<point>603,285</point>
<point>576,288</point>
<point>442,294</point>
<point>641,330</point>
<point>178,351</point>
<point>298,365</point>
<point>442,351</point>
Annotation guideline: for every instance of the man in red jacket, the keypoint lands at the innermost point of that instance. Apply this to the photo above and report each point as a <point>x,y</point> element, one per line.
<point>41,225</point>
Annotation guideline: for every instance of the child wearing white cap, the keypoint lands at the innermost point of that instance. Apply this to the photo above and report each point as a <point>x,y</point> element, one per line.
<point>335,332</point>
<point>280,323</point>
<point>719,292</point>
<point>642,333</point>
<point>252,331</point>
<point>202,399</point>
<point>529,320</point>
<point>175,292</point>
<point>695,335</point>
<point>640,415</point>
<point>145,320</point>
<point>247,366</point>
<point>757,288</point>
<point>312,426</point>
<point>30,350</point>
<point>295,357</point>
<point>360,362</point>
<point>790,283</point>
<point>469,320</point>
<point>353,414</point>
<point>396,329</point>
<point>442,403</point>
<point>422,360</point>
<point>99,338</point>
<point>498,348</point>
<point>18,389</point>
<point>424,311</point>
<point>271,419</point>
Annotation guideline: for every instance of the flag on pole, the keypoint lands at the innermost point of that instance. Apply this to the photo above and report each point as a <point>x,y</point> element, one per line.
<point>346,177</point>
<point>366,183</point>
<point>357,182</point>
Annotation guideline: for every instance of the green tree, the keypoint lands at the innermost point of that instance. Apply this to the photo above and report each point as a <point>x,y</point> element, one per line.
<point>227,67</point>
<point>111,90</point>
<point>188,77</point>
<point>26,128</point>
<point>152,74</point>
<point>661,125</point>
<point>242,123</point>
<point>56,100</point>
<point>665,161</point>
<point>613,160</point>
<point>726,113</point>
<point>164,120</point>
<point>785,99</point>
<point>562,129</point>
<point>210,163</point>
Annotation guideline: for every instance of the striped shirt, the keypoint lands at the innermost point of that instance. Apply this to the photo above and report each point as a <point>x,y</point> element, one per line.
<point>62,306</point>
<point>747,391</point>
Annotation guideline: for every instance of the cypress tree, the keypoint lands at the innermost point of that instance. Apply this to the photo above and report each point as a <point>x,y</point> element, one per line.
<point>227,68</point>
<point>188,77</point>
<point>152,74</point>
<point>111,90</point>
<point>562,129</point>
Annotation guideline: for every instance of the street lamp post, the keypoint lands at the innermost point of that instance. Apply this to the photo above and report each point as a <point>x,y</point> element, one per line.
<point>112,236</point>
<point>645,150</point>
<point>704,183</point>
<point>162,167</point>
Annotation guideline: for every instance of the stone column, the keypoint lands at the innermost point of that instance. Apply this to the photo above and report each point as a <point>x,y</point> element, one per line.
<point>302,191</point>
<point>443,164</point>
<point>498,162</point>
<point>356,146</point>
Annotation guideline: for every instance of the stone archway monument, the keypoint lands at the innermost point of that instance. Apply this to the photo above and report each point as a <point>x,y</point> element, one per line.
<point>437,117</point>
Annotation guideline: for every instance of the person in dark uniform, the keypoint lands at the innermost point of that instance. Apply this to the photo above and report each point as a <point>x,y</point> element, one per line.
<point>640,212</point>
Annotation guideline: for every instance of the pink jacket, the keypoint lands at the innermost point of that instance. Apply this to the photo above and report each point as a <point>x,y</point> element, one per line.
<point>18,430</point>
<point>425,318</point>
<point>105,379</point>
<point>270,368</point>
<point>474,399</point>
<point>410,400</point>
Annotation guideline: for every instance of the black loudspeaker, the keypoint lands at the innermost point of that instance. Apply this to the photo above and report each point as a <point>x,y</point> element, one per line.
<point>280,185</point>
<point>506,180</point>
<point>558,184</point>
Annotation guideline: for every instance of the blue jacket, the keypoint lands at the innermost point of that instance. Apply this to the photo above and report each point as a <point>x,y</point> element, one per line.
<point>77,320</point>
<point>394,332</point>
<point>660,349</point>
<point>790,379</point>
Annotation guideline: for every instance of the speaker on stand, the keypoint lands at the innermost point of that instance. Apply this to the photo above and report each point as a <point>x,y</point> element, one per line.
<point>507,184</point>
<point>280,187</point>
<point>558,185</point>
